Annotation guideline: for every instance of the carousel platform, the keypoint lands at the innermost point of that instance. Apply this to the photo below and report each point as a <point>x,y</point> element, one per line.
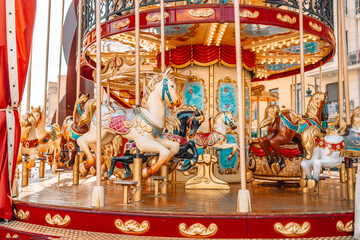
<point>278,211</point>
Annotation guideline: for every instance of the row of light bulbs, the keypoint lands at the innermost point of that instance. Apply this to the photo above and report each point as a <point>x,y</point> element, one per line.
<point>290,61</point>
<point>281,44</point>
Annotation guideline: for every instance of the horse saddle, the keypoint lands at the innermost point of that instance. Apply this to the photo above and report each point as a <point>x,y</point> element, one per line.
<point>205,139</point>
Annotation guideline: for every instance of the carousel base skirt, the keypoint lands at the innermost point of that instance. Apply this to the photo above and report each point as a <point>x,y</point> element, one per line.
<point>278,211</point>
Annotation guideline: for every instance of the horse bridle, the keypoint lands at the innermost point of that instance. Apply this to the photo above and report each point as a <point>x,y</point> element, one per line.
<point>191,121</point>
<point>165,90</point>
<point>227,120</point>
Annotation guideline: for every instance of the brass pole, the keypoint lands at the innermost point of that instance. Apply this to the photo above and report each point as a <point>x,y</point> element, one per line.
<point>344,61</point>
<point>98,192</point>
<point>78,77</point>
<point>29,84</point>
<point>137,53</point>
<point>164,172</point>
<point>302,70</point>
<point>60,56</point>
<point>138,177</point>
<point>340,65</point>
<point>320,78</point>
<point>24,173</point>
<point>76,170</point>
<point>243,204</point>
<point>42,168</point>
<point>296,94</point>
<point>47,60</point>
<point>292,93</point>
<point>258,116</point>
<point>162,26</point>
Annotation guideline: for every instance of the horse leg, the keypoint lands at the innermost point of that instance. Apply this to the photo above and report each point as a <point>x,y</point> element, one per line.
<point>84,141</point>
<point>188,163</point>
<point>264,144</point>
<point>150,145</point>
<point>306,165</point>
<point>275,143</point>
<point>72,152</point>
<point>299,143</point>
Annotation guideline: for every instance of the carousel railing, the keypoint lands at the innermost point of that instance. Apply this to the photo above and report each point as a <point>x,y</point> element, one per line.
<point>319,9</point>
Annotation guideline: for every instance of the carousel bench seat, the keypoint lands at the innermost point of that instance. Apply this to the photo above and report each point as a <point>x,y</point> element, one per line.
<point>126,185</point>
<point>157,180</point>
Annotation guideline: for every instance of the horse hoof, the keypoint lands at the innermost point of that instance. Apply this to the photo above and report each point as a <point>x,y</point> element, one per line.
<point>251,165</point>
<point>303,183</point>
<point>266,168</point>
<point>146,173</point>
<point>185,167</point>
<point>83,171</point>
<point>93,171</point>
<point>312,183</point>
<point>108,175</point>
<point>275,167</point>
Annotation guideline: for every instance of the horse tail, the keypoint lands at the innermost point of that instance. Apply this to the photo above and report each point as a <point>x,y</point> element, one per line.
<point>117,144</point>
<point>308,137</point>
<point>271,113</point>
<point>87,116</point>
<point>57,129</point>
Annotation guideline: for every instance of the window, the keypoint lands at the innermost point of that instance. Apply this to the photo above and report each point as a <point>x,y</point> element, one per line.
<point>298,94</point>
<point>347,42</point>
<point>276,91</point>
<point>357,6</point>
<point>346,8</point>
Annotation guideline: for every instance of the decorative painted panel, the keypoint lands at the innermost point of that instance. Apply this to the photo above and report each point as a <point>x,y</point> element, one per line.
<point>226,96</point>
<point>194,93</point>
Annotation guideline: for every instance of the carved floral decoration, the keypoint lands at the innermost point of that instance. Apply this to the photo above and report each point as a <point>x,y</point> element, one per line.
<point>57,220</point>
<point>132,226</point>
<point>20,214</point>
<point>292,229</point>
<point>198,230</point>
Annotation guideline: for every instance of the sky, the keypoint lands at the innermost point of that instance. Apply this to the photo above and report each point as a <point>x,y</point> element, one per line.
<point>39,50</point>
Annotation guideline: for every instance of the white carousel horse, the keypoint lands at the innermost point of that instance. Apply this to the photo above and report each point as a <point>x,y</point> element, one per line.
<point>49,141</point>
<point>217,136</point>
<point>144,125</point>
<point>28,141</point>
<point>329,151</point>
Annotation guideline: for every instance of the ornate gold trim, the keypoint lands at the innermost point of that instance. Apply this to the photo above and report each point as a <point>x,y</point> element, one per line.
<point>156,17</point>
<point>286,18</point>
<point>348,227</point>
<point>248,14</point>
<point>121,24</point>
<point>315,26</point>
<point>201,13</point>
<point>195,79</point>
<point>57,220</point>
<point>292,229</point>
<point>13,236</point>
<point>198,230</point>
<point>132,226</point>
<point>20,214</point>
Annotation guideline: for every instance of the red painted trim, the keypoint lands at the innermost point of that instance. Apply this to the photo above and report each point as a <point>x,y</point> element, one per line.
<point>229,226</point>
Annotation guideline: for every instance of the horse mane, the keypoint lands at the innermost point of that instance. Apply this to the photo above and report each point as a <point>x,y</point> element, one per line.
<point>314,105</point>
<point>173,123</point>
<point>149,89</point>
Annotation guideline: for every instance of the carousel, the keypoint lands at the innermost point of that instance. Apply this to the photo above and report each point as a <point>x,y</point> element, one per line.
<point>160,146</point>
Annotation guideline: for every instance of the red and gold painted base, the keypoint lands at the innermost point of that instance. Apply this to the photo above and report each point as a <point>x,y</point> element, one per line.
<point>43,207</point>
<point>178,225</point>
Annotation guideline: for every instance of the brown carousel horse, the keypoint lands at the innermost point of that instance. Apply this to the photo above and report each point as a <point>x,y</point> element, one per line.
<point>49,141</point>
<point>28,141</point>
<point>71,130</point>
<point>286,126</point>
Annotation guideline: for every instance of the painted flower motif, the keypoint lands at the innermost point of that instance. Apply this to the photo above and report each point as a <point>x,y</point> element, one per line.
<point>321,143</point>
<point>227,105</point>
<point>226,90</point>
<point>191,91</point>
<point>338,147</point>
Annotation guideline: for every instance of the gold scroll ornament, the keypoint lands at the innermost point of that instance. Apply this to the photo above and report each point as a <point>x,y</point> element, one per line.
<point>292,229</point>
<point>198,230</point>
<point>286,18</point>
<point>57,220</point>
<point>132,226</point>
<point>121,24</point>
<point>348,227</point>
<point>315,26</point>
<point>248,14</point>
<point>201,13</point>
<point>156,17</point>
<point>20,214</point>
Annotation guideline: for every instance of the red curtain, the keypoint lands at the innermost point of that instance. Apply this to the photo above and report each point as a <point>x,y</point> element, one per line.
<point>24,19</point>
<point>206,55</point>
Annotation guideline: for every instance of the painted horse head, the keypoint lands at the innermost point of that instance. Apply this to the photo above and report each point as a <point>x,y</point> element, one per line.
<point>185,122</point>
<point>165,87</point>
<point>317,107</point>
<point>225,118</point>
<point>355,118</point>
<point>37,114</point>
<point>79,106</point>
<point>27,123</point>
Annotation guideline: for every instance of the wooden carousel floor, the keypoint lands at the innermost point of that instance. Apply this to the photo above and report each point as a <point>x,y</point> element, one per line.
<point>266,198</point>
